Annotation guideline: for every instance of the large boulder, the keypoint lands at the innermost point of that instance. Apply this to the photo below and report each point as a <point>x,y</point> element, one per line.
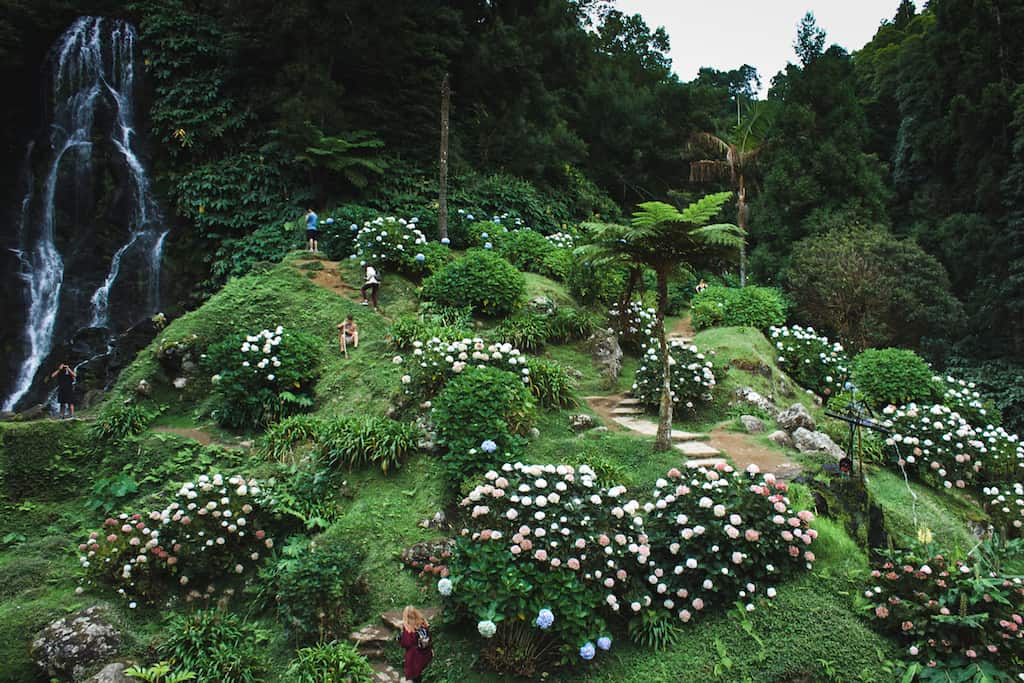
<point>752,424</point>
<point>807,441</point>
<point>112,673</point>
<point>581,422</point>
<point>748,395</point>
<point>607,354</point>
<point>795,417</point>
<point>781,438</point>
<point>68,647</point>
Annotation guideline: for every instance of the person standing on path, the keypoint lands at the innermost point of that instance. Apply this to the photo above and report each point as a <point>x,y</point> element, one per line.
<point>372,284</point>
<point>415,638</point>
<point>311,230</point>
<point>65,389</point>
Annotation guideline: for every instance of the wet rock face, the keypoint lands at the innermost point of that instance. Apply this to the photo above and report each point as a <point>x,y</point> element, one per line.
<point>67,648</point>
<point>607,353</point>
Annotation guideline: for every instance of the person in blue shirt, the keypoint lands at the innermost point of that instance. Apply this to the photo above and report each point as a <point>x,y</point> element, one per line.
<point>311,228</point>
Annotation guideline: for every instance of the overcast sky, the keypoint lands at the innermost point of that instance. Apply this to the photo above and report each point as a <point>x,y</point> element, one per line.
<point>725,34</point>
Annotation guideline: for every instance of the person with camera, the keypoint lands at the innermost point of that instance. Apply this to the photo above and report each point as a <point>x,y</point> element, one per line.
<point>65,389</point>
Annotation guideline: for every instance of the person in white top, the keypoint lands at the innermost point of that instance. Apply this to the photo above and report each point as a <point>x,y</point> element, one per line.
<point>372,284</point>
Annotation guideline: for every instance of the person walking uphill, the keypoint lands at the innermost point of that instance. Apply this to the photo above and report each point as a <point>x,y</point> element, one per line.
<point>311,230</point>
<point>372,284</point>
<point>415,638</point>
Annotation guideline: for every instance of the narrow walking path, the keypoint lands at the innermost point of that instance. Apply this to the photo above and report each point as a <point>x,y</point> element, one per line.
<point>373,641</point>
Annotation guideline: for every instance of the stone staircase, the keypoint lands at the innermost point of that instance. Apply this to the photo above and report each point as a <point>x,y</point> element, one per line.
<point>374,640</point>
<point>628,413</point>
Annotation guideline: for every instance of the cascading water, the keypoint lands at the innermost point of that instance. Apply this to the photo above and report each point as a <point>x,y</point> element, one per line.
<point>93,78</point>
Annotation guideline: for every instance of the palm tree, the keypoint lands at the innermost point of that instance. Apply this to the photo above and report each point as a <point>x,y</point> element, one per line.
<point>663,238</point>
<point>740,147</point>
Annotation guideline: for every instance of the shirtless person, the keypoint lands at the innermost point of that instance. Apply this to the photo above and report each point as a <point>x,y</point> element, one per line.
<point>348,333</point>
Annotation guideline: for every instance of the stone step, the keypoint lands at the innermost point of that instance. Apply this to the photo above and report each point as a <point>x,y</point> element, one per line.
<point>704,462</point>
<point>697,449</point>
<point>627,410</point>
<point>679,338</point>
<point>651,429</point>
<point>372,634</point>
<point>394,617</point>
<point>385,673</point>
<point>629,401</point>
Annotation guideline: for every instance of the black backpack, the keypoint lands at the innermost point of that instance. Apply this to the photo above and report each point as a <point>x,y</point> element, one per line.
<point>423,638</point>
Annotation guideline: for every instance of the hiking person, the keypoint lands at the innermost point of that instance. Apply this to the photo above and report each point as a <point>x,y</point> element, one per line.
<point>372,284</point>
<point>65,388</point>
<point>348,333</point>
<point>701,286</point>
<point>415,638</point>
<point>311,230</point>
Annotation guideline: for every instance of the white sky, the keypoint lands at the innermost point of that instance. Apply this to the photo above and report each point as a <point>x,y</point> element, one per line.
<point>725,34</point>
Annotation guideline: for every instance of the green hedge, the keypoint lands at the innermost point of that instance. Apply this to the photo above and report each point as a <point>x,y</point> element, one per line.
<point>45,459</point>
<point>759,307</point>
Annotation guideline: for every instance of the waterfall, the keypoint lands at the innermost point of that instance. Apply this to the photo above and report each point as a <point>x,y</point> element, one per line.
<point>93,69</point>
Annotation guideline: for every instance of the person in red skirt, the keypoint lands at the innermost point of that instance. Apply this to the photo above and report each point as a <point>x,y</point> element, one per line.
<point>415,638</point>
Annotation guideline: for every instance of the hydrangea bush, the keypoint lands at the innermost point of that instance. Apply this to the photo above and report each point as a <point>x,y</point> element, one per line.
<point>1005,505</point>
<point>263,377</point>
<point>951,614</point>
<point>390,242</point>
<point>548,544</point>
<point>211,531</point>
<point>939,446</point>
<point>692,376</point>
<point>634,323</point>
<point>811,359</point>
<point>965,399</point>
<point>433,362</point>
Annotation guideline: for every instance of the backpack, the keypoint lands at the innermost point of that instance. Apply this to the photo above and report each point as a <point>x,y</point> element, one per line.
<point>423,638</point>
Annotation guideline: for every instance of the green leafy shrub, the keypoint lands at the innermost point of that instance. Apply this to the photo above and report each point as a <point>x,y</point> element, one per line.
<point>434,362</point>
<point>263,378</point>
<point>329,663</point>
<point>692,377</point>
<point>409,328</point>
<point>358,441</point>
<point>550,384</point>
<point>957,615</point>
<point>120,420</point>
<point>159,673</point>
<point>524,248</point>
<point>318,588</point>
<point>759,307</point>
<point>216,645</point>
<point>307,492</point>
<point>891,376</point>
<point>569,324</point>
<point>487,283</point>
<point>654,630</point>
<point>281,437</point>
<point>811,360</point>
<point>484,401</point>
<point>524,330</point>
<point>595,284</point>
<point>608,471</point>
<point>557,264</point>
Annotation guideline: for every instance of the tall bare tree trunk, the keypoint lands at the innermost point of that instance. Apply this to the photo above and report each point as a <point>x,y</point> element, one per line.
<point>741,221</point>
<point>663,440</point>
<point>442,191</point>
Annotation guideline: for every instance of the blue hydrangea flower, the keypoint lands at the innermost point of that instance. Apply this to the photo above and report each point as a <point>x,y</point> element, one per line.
<point>446,241</point>
<point>545,618</point>
<point>605,643</point>
<point>484,235</point>
<point>329,221</point>
<point>587,651</point>
<point>353,227</point>
<point>444,587</point>
<point>420,258</point>
<point>488,446</point>
<point>469,217</point>
<point>487,628</point>
<point>487,245</point>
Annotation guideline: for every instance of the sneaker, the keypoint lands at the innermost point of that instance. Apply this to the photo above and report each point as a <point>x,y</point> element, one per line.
<point>366,303</point>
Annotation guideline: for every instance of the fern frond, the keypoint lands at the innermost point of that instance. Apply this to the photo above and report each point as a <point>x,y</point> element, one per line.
<point>704,209</point>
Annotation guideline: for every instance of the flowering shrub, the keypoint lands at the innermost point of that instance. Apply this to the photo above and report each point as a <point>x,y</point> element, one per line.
<point>434,362</point>
<point>524,248</point>
<point>895,376</point>
<point>939,446</point>
<point>212,530</point>
<point>810,359</point>
<point>692,376</point>
<point>263,377</point>
<point>634,324</point>
<point>484,281</point>
<point>1005,505</point>
<point>549,545</point>
<point>391,242</point>
<point>951,614</point>
<point>964,398</point>
<point>562,240</point>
